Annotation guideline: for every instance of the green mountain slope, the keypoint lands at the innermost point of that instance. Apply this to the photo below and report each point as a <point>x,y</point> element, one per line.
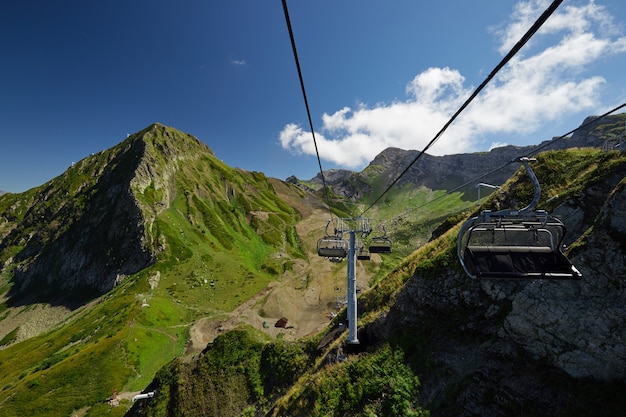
<point>162,229</point>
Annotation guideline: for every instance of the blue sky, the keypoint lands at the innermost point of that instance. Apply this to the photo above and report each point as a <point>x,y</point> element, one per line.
<point>77,76</point>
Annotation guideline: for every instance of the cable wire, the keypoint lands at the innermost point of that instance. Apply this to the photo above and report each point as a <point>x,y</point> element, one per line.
<point>306,101</point>
<point>533,29</point>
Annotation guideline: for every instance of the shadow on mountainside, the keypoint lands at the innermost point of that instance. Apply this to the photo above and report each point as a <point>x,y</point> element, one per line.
<point>91,240</point>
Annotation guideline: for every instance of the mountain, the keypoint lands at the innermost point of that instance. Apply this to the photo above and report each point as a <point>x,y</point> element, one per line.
<point>155,267</point>
<point>451,171</point>
<point>82,233</point>
<point>60,232</point>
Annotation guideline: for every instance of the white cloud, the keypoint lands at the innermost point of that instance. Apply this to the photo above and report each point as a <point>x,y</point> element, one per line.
<point>540,85</point>
<point>238,62</point>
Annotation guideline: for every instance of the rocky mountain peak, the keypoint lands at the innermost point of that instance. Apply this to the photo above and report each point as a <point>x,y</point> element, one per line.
<point>85,230</point>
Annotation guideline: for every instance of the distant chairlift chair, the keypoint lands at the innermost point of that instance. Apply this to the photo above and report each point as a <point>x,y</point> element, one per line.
<point>363,254</point>
<point>332,246</point>
<point>512,244</point>
<point>380,244</point>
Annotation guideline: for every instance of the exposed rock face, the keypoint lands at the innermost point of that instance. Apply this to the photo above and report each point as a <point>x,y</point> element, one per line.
<point>581,326</point>
<point>85,248</point>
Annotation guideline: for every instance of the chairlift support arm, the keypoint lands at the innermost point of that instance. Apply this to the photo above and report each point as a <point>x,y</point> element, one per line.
<point>525,161</point>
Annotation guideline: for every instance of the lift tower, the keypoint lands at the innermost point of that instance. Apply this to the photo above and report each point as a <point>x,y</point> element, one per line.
<point>335,246</point>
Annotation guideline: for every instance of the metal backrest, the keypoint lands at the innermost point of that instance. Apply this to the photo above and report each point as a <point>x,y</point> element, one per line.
<point>380,245</point>
<point>332,247</point>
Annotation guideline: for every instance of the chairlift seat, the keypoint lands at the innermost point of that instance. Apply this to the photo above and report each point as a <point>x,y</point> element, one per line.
<point>380,245</point>
<point>521,262</point>
<point>363,255</point>
<point>517,244</point>
<point>515,248</point>
<point>332,247</point>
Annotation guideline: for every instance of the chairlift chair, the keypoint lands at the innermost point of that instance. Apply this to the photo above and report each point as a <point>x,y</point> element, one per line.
<point>380,244</point>
<point>363,254</point>
<point>512,244</point>
<point>332,246</point>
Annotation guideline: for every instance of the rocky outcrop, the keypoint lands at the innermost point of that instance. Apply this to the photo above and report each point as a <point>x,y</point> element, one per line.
<point>92,238</point>
<point>580,326</point>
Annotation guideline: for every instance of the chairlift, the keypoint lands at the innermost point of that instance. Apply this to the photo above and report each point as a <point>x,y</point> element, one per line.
<point>332,246</point>
<point>363,254</point>
<point>510,244</point>
<point>380,244</point>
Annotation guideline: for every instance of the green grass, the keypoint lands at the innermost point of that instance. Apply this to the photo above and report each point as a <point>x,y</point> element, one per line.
<point>210,259</point>
<point>115,345</point>
<point>240,372</point>
<point>377,383</point>
<point>9,337</point>
<point>145,349</point>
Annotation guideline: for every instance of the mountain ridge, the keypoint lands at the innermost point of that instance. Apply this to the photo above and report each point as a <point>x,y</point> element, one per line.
<point>448,172</point>
<point>96,184</point>
<point>103,215</point>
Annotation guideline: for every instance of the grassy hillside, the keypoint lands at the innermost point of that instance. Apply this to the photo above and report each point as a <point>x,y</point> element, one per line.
<point>218,236</point>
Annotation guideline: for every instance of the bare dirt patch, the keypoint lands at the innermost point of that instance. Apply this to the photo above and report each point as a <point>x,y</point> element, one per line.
<point>308,295</point>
